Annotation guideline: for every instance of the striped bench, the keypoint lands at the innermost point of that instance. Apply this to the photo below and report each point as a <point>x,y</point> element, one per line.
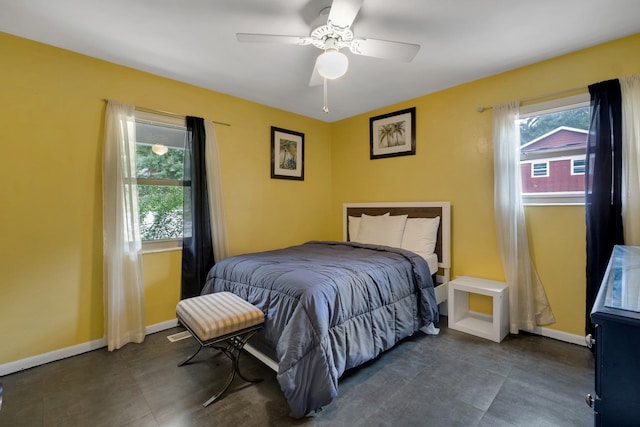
<point>223,321</point>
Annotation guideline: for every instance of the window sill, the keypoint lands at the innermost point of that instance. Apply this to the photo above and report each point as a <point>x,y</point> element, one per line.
<point>553,199</point>
<point>157,246</point>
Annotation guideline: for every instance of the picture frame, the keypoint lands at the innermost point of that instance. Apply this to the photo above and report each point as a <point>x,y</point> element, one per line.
<point>393,134</point>
<point>287,154</point>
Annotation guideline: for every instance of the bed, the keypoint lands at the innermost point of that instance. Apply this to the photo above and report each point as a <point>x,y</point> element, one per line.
<point>331,306</point>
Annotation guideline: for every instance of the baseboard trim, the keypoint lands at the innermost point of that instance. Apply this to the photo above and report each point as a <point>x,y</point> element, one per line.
<point>63,353</point>
<point>162,326</point>
<point>52,356</point>
<point>560,336</point>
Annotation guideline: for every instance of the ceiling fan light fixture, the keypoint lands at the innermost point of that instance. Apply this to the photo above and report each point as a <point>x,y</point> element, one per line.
<point>159,149</point>
<point>332,64</point>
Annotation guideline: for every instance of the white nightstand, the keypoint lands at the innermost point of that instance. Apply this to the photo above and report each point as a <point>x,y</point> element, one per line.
<point>492,327</point>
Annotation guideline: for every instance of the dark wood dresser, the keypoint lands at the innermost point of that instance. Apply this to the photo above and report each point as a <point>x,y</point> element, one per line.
<point>616,314</point>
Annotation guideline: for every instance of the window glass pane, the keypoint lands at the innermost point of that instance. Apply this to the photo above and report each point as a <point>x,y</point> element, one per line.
<point>149,164</point>
<point>168,166</point>
<point>552,153</point>
<point>160,170</point>
<point>160,212</point>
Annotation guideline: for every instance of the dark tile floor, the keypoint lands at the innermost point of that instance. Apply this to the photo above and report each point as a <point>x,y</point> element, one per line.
<point>452,379</point>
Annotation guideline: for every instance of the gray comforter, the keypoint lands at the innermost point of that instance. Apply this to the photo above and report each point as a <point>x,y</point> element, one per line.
<point>329,306</point>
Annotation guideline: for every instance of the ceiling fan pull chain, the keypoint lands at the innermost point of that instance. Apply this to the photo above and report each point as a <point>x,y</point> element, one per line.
<point>325,108</point>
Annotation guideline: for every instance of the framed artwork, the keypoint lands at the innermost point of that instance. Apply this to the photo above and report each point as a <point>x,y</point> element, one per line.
<point>393,134</point>
<point>287,154</point>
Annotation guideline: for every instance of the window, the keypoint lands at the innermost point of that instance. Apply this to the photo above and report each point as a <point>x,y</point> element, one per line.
<point>160,167</point>
<point>539,169</point>
<point>553,142</point>
<point>578,166</point>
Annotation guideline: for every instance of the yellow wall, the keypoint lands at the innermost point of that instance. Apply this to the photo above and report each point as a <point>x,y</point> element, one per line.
<point>454,161</point>
<point>50,173</point>
<point>51,130</point>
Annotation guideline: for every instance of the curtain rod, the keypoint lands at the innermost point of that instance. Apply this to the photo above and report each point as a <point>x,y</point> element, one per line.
<point>534,98</point>
<point>167,113</point>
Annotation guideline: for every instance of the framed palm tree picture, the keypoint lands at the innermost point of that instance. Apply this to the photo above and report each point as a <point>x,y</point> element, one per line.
<point>393,134</point>
<point>287,154</point>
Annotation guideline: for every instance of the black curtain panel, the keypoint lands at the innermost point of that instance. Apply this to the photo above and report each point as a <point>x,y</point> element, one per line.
<point>197,247</point>
<point>603,185</point>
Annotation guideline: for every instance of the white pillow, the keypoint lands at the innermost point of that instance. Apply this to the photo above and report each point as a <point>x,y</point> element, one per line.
<point>382,230</point>
<point>354,226</point>
<point>420,235</point>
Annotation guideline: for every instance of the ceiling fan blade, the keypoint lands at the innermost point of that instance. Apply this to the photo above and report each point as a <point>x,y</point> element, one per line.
<point>343,12</point>
<point>272,38</point>
<point>385,49</point>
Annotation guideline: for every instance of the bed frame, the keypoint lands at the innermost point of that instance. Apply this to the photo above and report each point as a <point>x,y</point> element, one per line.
<point>414,210</point>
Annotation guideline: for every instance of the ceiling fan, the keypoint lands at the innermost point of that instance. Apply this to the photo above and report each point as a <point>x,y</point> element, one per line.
<point>331,31</point>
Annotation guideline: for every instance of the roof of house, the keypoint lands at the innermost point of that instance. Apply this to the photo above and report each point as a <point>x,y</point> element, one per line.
<point>561,138</point>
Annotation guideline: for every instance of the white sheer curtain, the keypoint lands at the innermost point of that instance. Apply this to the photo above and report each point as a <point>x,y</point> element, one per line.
<point>123,286</point>
<point>528,305</point>
<point>216,200</point>
<point>630,90</point>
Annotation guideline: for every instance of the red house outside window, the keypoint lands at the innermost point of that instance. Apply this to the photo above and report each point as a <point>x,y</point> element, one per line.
<point>562,148</point>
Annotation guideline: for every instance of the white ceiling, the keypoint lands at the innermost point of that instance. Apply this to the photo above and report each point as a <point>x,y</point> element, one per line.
<point>194,41</point>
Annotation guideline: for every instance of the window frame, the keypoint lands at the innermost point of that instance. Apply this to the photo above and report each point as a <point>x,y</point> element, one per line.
<point>161,245</point>
<point>568,198</point>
